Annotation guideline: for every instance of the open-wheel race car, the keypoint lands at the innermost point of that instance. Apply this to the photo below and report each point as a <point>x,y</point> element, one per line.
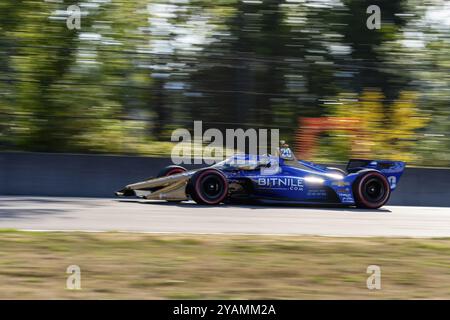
<point>274,179</point>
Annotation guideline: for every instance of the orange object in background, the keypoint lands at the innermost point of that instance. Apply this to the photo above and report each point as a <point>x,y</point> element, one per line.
<point>310,129</point>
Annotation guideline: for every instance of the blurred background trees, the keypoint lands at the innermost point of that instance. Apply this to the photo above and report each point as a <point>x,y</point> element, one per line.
<point>138,69</point>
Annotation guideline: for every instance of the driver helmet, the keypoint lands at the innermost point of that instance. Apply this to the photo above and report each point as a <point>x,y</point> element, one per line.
<point>285,151</point>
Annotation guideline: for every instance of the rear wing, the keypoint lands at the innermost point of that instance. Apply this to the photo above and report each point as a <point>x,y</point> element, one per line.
<point>392,170</point>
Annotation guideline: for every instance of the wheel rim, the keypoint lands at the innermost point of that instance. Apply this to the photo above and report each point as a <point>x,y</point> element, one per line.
<point>374,190</point>
<point>211,187</point>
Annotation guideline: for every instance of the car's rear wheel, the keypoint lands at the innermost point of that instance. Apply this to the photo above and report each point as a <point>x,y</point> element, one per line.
<point>208,186</point>
<point>371,190</point>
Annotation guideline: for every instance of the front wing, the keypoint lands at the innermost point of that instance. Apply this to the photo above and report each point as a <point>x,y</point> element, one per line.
<point>171,188</point>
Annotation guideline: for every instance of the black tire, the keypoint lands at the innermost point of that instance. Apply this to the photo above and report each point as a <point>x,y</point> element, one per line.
<point>171,170</point>
<point>209,187</point>
<point>371,190</point>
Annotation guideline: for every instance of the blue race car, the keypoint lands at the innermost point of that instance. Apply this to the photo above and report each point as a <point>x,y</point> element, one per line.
<point>275,179</point>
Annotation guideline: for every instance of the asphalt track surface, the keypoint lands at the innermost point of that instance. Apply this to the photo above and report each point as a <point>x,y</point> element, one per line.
<point>80,214</point>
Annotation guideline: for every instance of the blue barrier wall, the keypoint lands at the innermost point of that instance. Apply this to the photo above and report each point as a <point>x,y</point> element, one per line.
<point>44,174</point>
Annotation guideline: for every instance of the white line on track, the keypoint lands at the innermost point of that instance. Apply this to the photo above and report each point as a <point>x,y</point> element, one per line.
<point>102,215</point>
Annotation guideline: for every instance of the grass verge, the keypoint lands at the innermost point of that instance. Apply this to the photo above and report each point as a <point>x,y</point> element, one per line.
<point>142,266</point>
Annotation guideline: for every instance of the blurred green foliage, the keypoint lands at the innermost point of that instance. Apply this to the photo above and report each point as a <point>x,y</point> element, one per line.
<point>138,69</point>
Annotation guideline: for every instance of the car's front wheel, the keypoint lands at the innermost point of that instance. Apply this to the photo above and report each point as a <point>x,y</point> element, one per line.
<point>208,186</point>
<point>371,190</point>
<point>171,170</point>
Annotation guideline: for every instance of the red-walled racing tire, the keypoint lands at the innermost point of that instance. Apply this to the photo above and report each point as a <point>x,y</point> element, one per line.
<point>371,190</point>
<point>171,170</point>
<point>208,187</point>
